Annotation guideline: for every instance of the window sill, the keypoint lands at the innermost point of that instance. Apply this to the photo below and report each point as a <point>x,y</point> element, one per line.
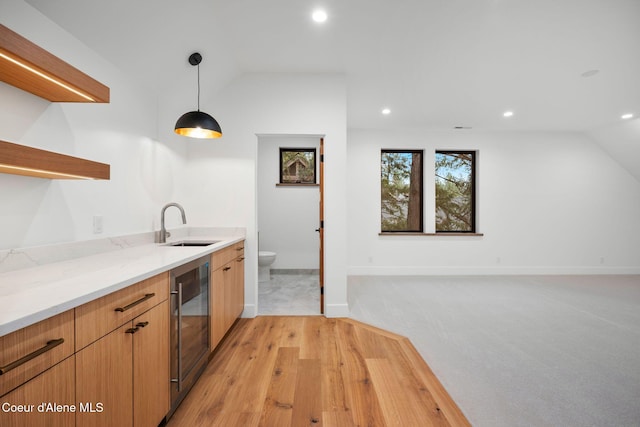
<point>408,233</point>
<point>296,184</point>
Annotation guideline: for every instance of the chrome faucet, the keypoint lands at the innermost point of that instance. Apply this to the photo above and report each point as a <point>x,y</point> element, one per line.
<point>162,238</point>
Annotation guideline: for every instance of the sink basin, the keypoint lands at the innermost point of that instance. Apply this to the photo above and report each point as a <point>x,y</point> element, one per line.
<point>186,243</point>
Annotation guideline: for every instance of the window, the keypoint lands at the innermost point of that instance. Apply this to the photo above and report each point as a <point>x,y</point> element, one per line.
<point>297,165</point>
<point>455,191</point>
<point>401,190</point>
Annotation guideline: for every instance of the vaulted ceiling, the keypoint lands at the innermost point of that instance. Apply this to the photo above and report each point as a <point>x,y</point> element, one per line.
<point>434,63</point>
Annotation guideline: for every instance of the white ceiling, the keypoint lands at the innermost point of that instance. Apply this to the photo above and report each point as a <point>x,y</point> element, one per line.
<point>434,63</point>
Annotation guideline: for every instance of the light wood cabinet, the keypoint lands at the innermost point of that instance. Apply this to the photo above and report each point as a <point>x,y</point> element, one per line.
<point>104,377</point>
<point>37,385</point>
<point>107,362</point>
<point>126,371</point>
<point>47,398</point>
<point>226,290</point>
<point>97,318</point>
<point>217,327</point>
<point>236,298</point>
<point>27,352</point>
<point>151,374</point>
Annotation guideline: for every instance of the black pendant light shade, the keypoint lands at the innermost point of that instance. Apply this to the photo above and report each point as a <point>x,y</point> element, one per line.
<point>197,124</point>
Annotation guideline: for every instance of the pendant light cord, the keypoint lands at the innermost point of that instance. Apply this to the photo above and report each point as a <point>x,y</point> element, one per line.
<point>198,87</point>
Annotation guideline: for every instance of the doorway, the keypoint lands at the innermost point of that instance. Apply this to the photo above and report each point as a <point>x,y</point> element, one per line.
<point>289,224</point>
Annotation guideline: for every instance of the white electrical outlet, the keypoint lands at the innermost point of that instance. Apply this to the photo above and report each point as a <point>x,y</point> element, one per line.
<point>97,224</point>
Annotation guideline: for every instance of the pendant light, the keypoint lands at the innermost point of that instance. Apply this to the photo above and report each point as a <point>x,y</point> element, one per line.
<point>197,124</point>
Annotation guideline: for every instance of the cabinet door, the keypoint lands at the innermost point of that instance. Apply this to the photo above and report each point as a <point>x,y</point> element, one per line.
<point>55,386</point>
<point>229,294</point>
<point>151,376</point>
<point>238,288</point>
<point>104,380</point>
<point>217,326</point>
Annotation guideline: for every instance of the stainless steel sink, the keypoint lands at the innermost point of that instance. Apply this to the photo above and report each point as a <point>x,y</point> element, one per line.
<point>186,243</point>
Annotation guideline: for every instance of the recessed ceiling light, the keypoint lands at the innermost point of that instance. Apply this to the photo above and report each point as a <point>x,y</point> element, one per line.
<point>626,116</point>
<point>508,113</point>
<point>386,111</point>
<point>590,73</point>
<point>319,15</point>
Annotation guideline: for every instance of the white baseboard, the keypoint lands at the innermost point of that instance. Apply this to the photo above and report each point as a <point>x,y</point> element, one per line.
<point>487,271</point>
<point>250,311</point>
<point>336,310</point>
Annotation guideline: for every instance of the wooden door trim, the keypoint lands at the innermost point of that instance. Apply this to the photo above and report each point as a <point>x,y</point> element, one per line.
<point>321,226</point>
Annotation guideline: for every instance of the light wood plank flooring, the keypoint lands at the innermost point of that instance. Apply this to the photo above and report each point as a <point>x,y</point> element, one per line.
<point>313,371</point>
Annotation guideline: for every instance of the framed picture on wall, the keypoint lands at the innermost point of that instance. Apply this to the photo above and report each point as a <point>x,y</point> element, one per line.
<point>297,165</point>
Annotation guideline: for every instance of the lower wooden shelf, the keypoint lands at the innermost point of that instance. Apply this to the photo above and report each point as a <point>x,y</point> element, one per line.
<point>22,160</point>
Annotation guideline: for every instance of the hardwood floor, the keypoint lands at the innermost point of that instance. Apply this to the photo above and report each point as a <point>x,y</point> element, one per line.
<point>313,371</point>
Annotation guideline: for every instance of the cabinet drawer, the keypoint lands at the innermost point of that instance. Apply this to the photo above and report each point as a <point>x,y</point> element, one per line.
<point>223,256</point>
<point>52,388</point>
<point>99,317</point>
<point>27,352</point>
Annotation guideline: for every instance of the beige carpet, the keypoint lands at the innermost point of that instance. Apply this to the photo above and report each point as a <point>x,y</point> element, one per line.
<point>520,351</point>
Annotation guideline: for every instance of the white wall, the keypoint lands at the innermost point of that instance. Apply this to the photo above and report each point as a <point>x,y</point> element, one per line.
<point>221,174</point>
<point>145,173</point>
<point>547,203</point>
<point>287,216</point>
<point>622,141</point>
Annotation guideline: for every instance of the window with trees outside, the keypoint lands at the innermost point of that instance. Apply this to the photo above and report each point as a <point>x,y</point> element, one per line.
<point>297,165</point>
<point>455,191</point>
<point>401,190</point>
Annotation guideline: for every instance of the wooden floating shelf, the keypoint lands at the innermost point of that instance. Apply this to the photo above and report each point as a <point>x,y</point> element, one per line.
<point>22,160</point>
<point>27,66</point>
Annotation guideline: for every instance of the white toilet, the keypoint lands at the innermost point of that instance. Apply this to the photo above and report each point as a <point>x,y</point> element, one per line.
<point>265,259</point>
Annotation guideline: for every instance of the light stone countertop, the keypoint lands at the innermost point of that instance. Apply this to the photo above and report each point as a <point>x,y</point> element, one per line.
<point>34,293</point>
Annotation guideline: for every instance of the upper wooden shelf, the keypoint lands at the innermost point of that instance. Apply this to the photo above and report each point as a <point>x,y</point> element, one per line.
<point>22,160</point>
<point>27,66</point>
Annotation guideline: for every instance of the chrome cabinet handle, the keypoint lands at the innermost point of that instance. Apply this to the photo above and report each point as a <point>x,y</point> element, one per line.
<point>133,304</point>
<point>50,344</point>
